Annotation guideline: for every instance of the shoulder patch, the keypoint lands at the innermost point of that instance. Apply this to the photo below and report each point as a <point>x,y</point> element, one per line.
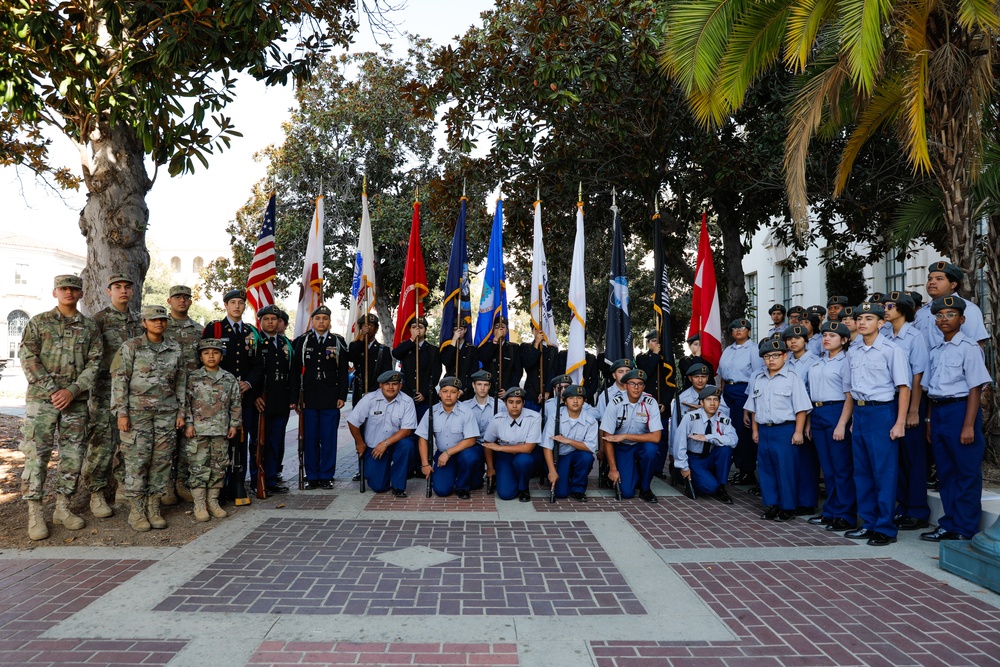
<point>618,399</point>
<point>725,420</point>
<point>694,416</point>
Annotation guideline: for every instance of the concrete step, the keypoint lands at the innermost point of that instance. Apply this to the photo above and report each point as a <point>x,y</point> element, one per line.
<point>991,507</point>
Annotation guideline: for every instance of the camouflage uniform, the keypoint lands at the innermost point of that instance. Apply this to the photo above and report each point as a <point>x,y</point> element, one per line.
<point>115,328</point>
<point>56,353</point>
<point>214,403</point>
<point>149,387</point>
<point>185,333</point>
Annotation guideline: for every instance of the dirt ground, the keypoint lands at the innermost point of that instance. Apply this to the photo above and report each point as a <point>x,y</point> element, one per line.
<point>110,532</point>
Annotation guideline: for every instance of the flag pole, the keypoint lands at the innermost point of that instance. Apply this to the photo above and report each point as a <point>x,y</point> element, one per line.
<point>541,351</point>
<point>662,315</point>
<point>416,309</point>
<point>364,300</point>
<point>458,304</point>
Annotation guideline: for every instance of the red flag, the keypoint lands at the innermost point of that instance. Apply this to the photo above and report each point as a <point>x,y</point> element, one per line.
<point>705,317</point>
<point>414,289</point>
<point>263,270</point>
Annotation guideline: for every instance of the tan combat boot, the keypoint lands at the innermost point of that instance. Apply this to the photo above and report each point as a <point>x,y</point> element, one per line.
<point>185,494</point>
<point>169,497</point>
<point>213,504</point>
<point>62,516</point>
<point>200,509</point>
<point>120,497</point>
<point>98,506</point>
<point>37,530</point>
<point>153,512</point>
<point>137,515</point>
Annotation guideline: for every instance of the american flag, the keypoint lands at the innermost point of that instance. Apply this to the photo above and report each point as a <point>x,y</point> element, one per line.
<point>263,269</point>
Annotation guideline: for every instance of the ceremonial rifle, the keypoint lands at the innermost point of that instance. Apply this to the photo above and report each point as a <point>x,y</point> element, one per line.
<point>259,455</point>
<point>555,443</point>
<point>431,453</point>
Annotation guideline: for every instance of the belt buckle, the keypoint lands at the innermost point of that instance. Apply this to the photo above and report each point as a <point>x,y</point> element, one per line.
<point>818,404</point>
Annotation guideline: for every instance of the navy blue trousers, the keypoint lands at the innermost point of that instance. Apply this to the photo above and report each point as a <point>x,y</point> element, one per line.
<point>911,485</point>
<point>573,468</point>
<point>835,457</point>
<point>635,465</point>
<point>959,468</point>
<point>745,455</point>
<point>876,465</point>
<point>513,473</point>
<point>390,471</point>
<point>320,443</point>
<point>459,472</point>
<point>710,473</point>
<point>777,466</point>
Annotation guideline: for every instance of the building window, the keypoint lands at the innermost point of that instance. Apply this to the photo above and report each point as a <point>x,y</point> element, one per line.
<point>753,308</point>
<point>895,274</point>
<point>16,322</point>
<point>197,265</point>
<point>786,287</point>
<point>175,264</point>
<point>20,274</point>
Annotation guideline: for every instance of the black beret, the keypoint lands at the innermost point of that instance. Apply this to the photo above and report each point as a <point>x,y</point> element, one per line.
<point>574,390</point>
<point>650,335</point>
<point>560,379</point>
<point>709,390</point>
<point>422,321</point>
<point>283,316</point>
<point>370,318</point>
<point>499,319</point>
<point>942,302</point>
<point>794,331</point>
<point>621,363</point>
<point>777,307</point>
<point>796,309</point>
<point>917,297</point>
<point>481,376</point>
<point>772,345</point>
<point>954,273</point>
<point>848,311</point>
<point>876,297</point>
<point>390,376</point>
<point>693,339</point>
<point>817,310</point>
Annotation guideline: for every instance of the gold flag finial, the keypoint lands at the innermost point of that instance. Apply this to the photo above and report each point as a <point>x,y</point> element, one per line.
<point>580,194</point>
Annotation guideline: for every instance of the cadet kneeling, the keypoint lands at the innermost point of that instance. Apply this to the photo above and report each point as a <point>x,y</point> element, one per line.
<point>214,411</point>
<point>577,440</point>
<point>388,418</point>
<point>458,460</point>
<point>703,446</point>
<point>510,440</point>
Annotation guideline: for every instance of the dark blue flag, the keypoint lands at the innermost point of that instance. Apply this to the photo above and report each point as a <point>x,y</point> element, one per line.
<point>666,383</point>
<point>457,302</point>
<point>618,338</point>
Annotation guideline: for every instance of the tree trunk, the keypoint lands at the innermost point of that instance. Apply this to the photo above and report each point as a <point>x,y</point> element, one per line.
<point>383,306</point>
<point>734,302</point>
<point>115,217</point>
<point>991,398</point>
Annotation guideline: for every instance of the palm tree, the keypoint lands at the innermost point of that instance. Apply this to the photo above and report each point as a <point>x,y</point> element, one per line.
<point>925,68</point>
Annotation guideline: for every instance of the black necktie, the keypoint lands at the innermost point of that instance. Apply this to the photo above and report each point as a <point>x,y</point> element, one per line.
<point>707,447</point>
<point>514,422</point>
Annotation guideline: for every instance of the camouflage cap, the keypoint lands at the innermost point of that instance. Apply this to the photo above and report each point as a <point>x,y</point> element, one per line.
<point>560,379</point>
<point>837,328</point>
<point>450,381</point>
<point>211,344</point>
<point>698,369</point>
<point>942,302</point>
<point>481,376</point>
<point>794,331</point>
<point>869,308</point>
<point>772,345</point>
<point>514,392</point>
<point>390,376</point>
<point>154,312</point>
<point>180,290</point>
<point>574,390</point>
<point>953,273</point>
<point>67,280</point>
<point>709,391</point>
<point>635,374</point>
<point>235,293</point>
<point>621,363</point>
<point>119,278</point>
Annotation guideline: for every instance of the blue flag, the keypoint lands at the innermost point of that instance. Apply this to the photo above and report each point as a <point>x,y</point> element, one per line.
<point>493,302</point>
<point>457,302</point>
<point>618,338</point>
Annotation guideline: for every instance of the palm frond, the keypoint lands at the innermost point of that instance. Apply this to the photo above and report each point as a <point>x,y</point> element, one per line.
<point>754,45</point>
<point>983,14</point>
<point>861,31</point>
<point>916,218</point>
<point>804,23</point>
<point>882,108</point>
<point>697,37</point>
<point>805,115</point>
<point>914,84</point>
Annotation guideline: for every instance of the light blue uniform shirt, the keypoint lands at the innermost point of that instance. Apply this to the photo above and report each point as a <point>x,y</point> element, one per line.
<point>689,395</point>
<point>483,414</point>
<point>828,377</point>
<point>776,399</point>
<point>956,366</point>
<point>625,417</point>
<point>607,396</point>
<point>739,362</point>
<point>877,370</point>
<point>815,345</point>
<point>504,430</point>
<point>802,365</point>
<point>382,418</point>
<point>550,409</point>
<point>914,344</point>
<point>777,328</point>
<point>974,327</point>
<point>584,429</point>
<point>693,423</point>
<point>450,428</point>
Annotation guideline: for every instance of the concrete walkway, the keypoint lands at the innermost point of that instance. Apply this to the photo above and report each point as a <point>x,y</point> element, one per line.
<point>341,578</point>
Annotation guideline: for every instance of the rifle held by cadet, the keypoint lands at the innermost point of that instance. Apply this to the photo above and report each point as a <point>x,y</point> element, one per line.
<point>555,443</point>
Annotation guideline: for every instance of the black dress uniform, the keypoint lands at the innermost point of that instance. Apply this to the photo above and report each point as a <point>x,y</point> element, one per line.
<point>430,371</point>
<point>537,360</point>
<point>490,355</point>
<point>379,361</point>
<point>319,376</point>
<point>243,359</point>
<point>278,397</point>
<point>468,363</point>
<point>591,374</point>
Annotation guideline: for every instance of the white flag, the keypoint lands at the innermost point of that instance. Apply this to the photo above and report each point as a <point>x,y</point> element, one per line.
<point>363,285</point>
<point>541,308</point>
<point>576,354</point>
<point>311,288</point>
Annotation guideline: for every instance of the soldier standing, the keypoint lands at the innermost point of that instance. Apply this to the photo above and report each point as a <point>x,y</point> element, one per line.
<point>214,407</point>
<point>461,360</point>
<point>368,367</point>
<point>244,360</point>
<point>319,376</point>
<point>117,324</point>
<point>501,358</point>
<point>539,359</point>
<point>148,394</point>
<point>429,365</point>
<point>277,399</point>
<point>60,356</point>
<point>185,332</point>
